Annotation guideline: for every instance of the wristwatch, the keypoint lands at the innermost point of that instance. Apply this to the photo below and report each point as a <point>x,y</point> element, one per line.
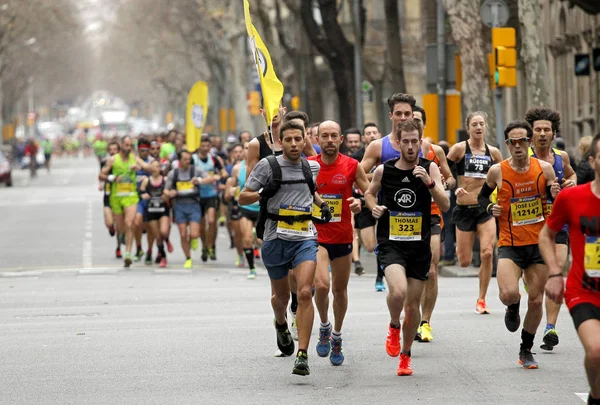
<point>260,191</point>
<point>432,185</point>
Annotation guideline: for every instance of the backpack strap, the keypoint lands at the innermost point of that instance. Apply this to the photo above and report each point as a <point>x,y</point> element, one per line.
<point>308,176</point>
<point>275,168</point>
<point>175,176</point>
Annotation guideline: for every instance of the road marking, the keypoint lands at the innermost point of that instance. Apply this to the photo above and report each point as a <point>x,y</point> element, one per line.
<point>87,242</point>
<point>583,397</point>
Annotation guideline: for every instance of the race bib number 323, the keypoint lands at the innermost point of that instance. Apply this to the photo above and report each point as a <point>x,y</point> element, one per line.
<point>405,226</point>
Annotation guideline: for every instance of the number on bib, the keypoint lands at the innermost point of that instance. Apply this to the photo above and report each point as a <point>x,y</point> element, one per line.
<point>526,210</point>
<point>591,261</point>
<point>124,189</point>
<point>405,226</point>
<point>334,201</point>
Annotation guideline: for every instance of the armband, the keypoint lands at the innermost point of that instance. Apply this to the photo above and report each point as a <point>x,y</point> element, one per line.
<point>110,178</point>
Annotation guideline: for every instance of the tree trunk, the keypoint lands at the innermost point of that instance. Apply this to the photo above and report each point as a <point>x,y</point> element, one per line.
<point>533,53</point>
<point>466,31</point>
<point>394,59</point>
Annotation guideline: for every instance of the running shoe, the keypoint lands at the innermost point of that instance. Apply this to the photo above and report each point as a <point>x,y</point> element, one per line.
<point>358,268</point>
<point>256,253</point>
<point>337,354</point>
<point>169,246</point>
<point>425,332</point>
<point>111,230</point>
<point>118,253</point>
<point>301,364</point>
<point>222,221</point>
<point>526,359</point>
<point>404,367</point>
<point>512,319</point>
<point>212,254</point>
<point>204,254</point>
<point>447,263</point>
<point>148,260</point>
<point>252,274</point>
<point>138,255</point>
<point>481,307</point>
<point>163,262</point>
<point>194,244</point>
<point>379,286</point>
<point>188,264</point>
<point>239,261</point>
<point>294,328</point>
<point>285,343</point>
<point>324,343</point>
<point>159,256</point>
<point>550,339</point>
<point>127,259</point>
<point>392,343</point>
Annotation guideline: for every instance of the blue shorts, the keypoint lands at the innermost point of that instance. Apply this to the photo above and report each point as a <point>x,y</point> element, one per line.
<point>279,256</point>
<point>186,213</point>
<point>143,209</point>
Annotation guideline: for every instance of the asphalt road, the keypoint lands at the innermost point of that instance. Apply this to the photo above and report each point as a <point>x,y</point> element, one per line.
<point>75,327</point>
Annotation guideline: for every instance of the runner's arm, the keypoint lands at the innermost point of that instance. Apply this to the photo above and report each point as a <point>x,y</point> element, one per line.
<point>552,186</point>
<point>105,172</point>
<point>145,166</point>
<point>570,179</point>
<point>456,153</point>
<point>444,168</point>
<point>253,156</point>
<point>257,180</point>
<point>231,183</point>
<point>309,149</point>
<point>374,188</point>
<point>371,158</point>
<point>361,179</point>
<point>496,154</point>
<point>491,182</point>
<point>438,191</point>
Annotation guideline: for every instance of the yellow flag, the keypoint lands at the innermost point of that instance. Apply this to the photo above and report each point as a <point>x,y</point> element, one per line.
<point>272,89</point>
<point>197,108</point>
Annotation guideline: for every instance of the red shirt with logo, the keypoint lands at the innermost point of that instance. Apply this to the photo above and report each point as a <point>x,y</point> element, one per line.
<point>334,185</point>
<point>579,208</point>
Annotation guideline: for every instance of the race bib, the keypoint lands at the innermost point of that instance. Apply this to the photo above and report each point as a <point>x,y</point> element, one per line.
<point>334,201</point>
<point>591,260</point>
<point>477,166</point>
<point>304,228</point>
<point>405,226</point>
<point>156,204</point>
<point>185,187</point>
<point>124,189</point>
<point>526,210</point>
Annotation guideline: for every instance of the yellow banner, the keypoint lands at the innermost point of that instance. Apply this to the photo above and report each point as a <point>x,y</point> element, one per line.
<point>272,88</point>
<point>197,109</point>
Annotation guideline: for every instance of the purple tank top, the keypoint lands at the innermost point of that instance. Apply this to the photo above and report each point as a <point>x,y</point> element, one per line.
<point>388,152</point>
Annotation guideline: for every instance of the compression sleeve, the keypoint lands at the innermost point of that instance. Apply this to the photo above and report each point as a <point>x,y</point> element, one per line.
<point>483,199</point>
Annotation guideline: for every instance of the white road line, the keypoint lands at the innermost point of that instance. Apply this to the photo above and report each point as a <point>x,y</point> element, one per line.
<point>87,242</point>
<point>583,397</point>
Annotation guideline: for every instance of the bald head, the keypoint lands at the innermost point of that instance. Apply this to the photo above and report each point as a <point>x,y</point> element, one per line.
<point>330,138</point>
<point>329,125</point>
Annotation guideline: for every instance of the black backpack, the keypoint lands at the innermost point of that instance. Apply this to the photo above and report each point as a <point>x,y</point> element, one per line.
<point>263,214</point>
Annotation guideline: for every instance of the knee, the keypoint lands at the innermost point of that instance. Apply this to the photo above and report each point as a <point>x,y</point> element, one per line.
<point>433,271</point>
<point>593,355</point>
<point>535,302</point>
<point>129,223</point>
<point>321,287</point>
<point>369,248</point>
<point>339,291</point>
<point>280,300</point>
<point>487,254</point>
<point>247,242</point>
<point>464,259</point>
<point>508,296</point>
<point>194,234</point>
<point>397,296</point>
<point>305,295</point>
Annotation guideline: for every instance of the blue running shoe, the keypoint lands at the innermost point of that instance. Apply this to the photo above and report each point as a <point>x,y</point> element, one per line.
<point>324,344</point>
<point>379,286</point>
<point>337,354</point>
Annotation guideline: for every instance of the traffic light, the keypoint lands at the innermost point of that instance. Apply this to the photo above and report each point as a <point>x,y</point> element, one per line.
<point>504,42</point>
<point>295,103</point>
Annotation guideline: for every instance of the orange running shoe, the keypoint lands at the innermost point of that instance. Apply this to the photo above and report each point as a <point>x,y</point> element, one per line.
<point>392,343</point>
<point>481,308</point>
<point>404,367</point>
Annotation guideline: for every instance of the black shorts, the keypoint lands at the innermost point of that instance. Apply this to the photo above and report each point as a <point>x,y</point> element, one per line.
<point>106,201</point>
<point>522,256</point>
<point>416,262</point>
<point>467,217</point>
<point>337,250</point>
<point>249,214</point>
<point>233,211</point>
<point>209,202</point>
<point>155,216</point>
<point>584,311</point>
<point>364,219</point>
<point>562,238</point>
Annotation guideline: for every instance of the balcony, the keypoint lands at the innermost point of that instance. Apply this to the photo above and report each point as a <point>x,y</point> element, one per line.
<point>589,6</point>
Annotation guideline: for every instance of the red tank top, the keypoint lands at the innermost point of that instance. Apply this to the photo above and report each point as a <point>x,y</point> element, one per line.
<point>334,184</point>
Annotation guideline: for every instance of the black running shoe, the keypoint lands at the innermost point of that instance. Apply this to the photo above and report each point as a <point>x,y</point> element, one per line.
<point>148,260</point>
<point>526,359</point>
<point>512,319</point>
<point>301,364</point>
<point>212,254</point>
<point>285,343</point>
<point>204,256</point>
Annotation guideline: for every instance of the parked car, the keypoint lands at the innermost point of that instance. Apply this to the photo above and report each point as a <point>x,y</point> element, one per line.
<point>5,170</point>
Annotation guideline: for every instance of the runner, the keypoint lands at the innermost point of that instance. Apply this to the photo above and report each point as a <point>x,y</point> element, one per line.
<point>153,191</point>
<point>230,204</point>
<point>352,140</point>
<point>209,197</point>
<point>247,214</point>
<point>335,183</point>
<point>524,184</point>
<point>141,218</point>
<point>407,185</point>
<point>120,170</point>
<point>474,158</point>
<point>100,147</point>
<point>167,149</point>
<point>289,239</point>
<point>46,144</point>
<point>109,222</point>
<point>545,123</point>
<point>183,188</point>
<point>579,209</point>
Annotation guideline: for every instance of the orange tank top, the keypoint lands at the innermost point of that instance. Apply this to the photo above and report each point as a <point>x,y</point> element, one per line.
<point>523,201</point>
<point>435,210</point>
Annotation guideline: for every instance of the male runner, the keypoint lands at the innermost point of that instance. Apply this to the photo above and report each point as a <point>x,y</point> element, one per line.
<point>209,198</point>
<point>120,170</point>
<point>167,149</point>
<point>182,187</point>
<point>473,159</point>
<point>106,187</point>
<point>545,123</point>
<point>289,239</point>
<point>335,182</point>
<point>407,185</point>
<point>100,147</point>
<point>524,184</point>
<point>141,218</point>
<point>352,139</point>
<point>579,209</point>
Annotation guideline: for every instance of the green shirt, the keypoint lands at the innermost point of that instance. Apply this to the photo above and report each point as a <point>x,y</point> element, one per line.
<point>166,150</point>
<point>100,147</point>
<point>125,187</point>
<point>47,145</point>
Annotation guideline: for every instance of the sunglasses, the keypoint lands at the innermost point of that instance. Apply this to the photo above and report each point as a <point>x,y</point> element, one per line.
<point>517,141</point>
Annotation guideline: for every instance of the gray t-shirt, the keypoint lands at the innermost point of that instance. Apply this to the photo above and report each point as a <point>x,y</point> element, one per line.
<point>291,199</point>
<point>186,193</point>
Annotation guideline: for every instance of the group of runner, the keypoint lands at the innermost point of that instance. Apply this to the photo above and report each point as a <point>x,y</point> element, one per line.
<point>300,189</point>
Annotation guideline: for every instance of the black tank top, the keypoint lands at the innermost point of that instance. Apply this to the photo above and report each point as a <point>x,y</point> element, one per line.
<point>156,202</point>
<point>408,203</point>
<point>265,150</point>
<point>475,166</point>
